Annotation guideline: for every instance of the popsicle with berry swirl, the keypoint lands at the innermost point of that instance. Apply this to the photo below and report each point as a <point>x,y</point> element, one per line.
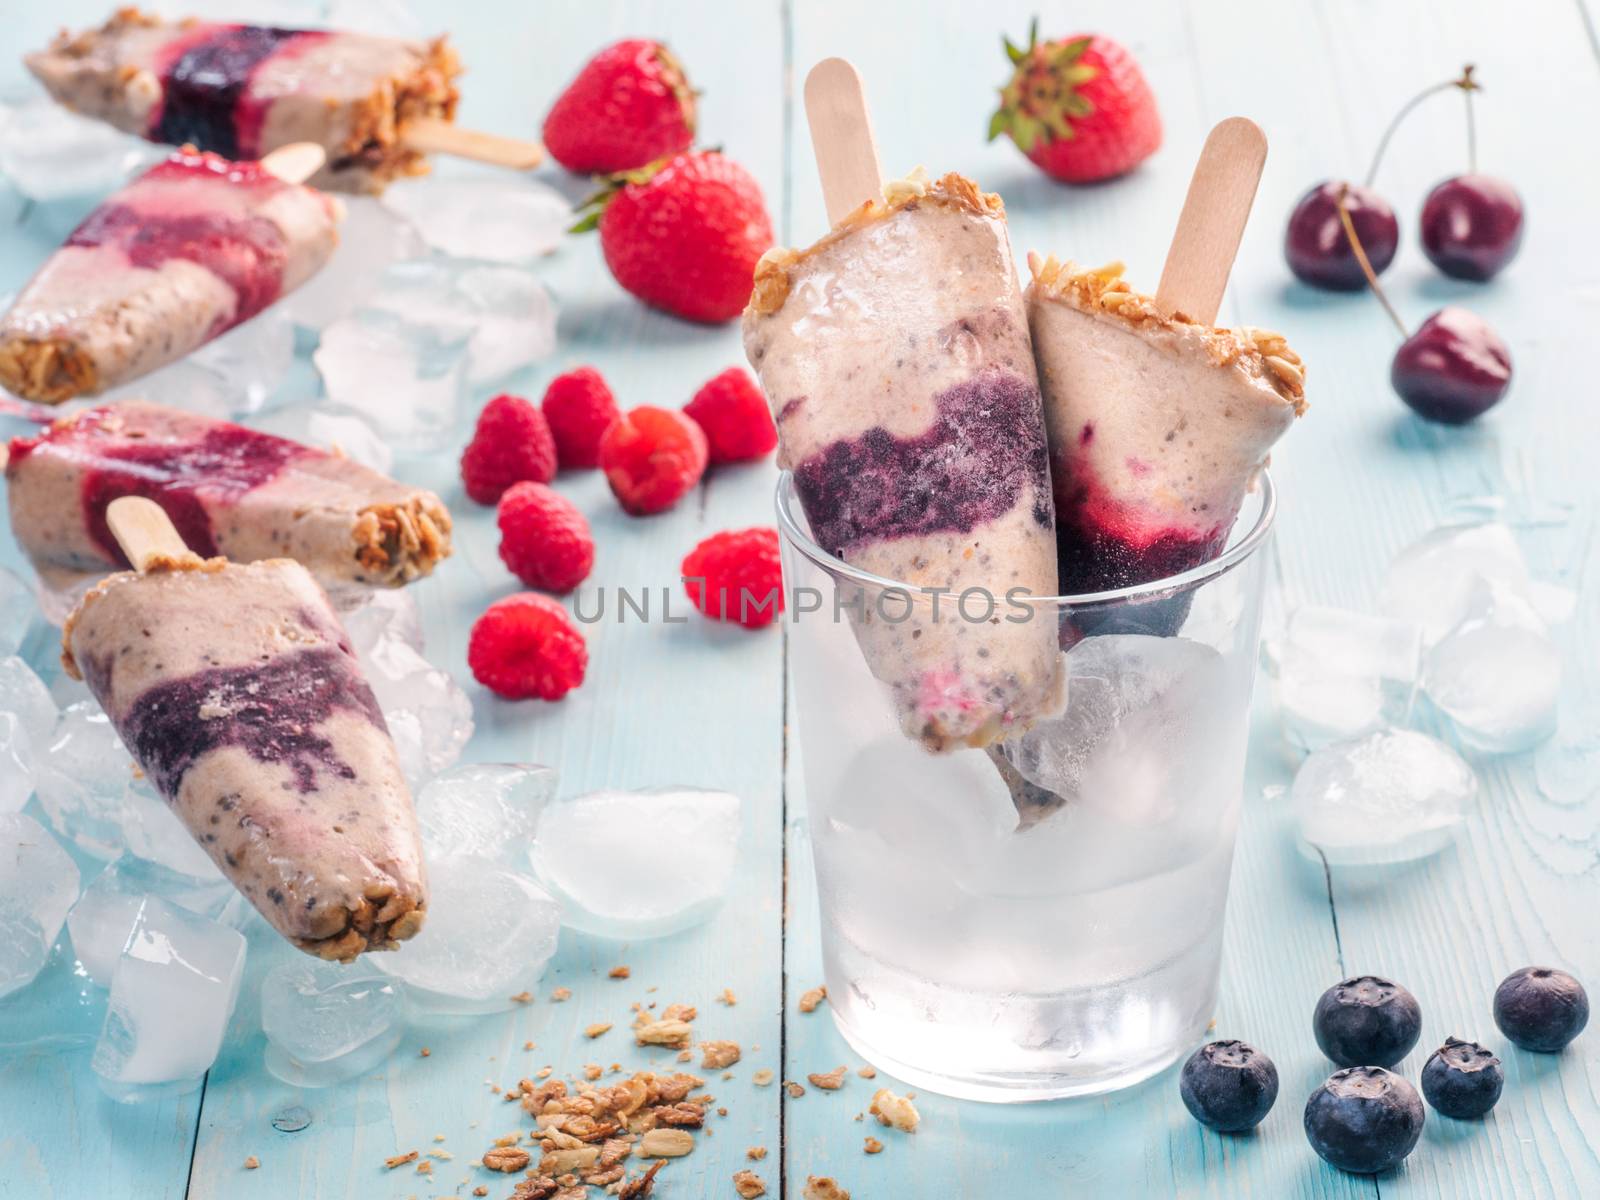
<point>235,689</point>
<point>191,248</point>
<point>229,491</point>
<point>895,356</point>
<point>245,90</point>
<point>1158,424</point>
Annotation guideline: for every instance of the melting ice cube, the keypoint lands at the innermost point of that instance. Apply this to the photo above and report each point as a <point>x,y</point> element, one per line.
<point>500,220</point>
<point>326,1022</point>
<point>103,917</point>
<point>38,883</point>
<point>1338,674</point>
<point>489,809</point>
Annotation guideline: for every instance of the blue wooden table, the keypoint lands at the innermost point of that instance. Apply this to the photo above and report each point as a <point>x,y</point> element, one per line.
<point>703,704</point>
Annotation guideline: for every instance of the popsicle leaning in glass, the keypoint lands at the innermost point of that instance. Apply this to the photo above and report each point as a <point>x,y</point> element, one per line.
<point>895,355</point>
<point>229,491</point>
<point>1158,424</point>
<point>244,90</point>
<point>191,248</point>
<point>236,690</point>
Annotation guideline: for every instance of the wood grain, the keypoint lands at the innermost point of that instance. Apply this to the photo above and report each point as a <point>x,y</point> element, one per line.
<point>1212,222</point>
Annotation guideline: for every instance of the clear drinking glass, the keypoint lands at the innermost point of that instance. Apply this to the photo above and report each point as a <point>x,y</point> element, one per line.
<point>1042,917</point>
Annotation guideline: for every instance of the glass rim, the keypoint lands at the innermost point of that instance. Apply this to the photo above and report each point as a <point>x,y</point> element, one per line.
<point>1214,568</point>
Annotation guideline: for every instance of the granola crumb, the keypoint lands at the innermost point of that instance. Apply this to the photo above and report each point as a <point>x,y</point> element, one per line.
<point>544,1072</point>
<point>480,1190</point>
<point>748,1184</point>
<point>637,1189</point>
<point>509,1139</point>
<point>424,1167</point>
<point>506,1159</point>
<point>523,998</point>
<point>425,1052</point>
<point>595,1030</point>
<point>832,1081</point>
<point>527,1045</point>
<point>674,1033</point>
<point>400,1160</point>
<point>685,1055</point>
<point>560,994</point>
<point>868,1072</point>
<point>591,1071</point>
<point>716,1055</point>
<point>619,972</point>
<point>438,1137</point>
<point>859,1117</point>
<point>894,1111</point>
<point>251,1163</point>
<point>761,1078</point>
<point>793,1088</point>
<point>665,1143</point>
<point>873,1146</point>
<point>679,1012</point>
<point>823,1187</point>
<point>756,1153</point>
<point>728,997</point>
<point>810,1000</point>
<point>722,1111</point>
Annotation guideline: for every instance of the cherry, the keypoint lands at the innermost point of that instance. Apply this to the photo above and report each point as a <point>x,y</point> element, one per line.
<point>1471,226</point>
<point>1453,368</point>
<point>1315,243</point>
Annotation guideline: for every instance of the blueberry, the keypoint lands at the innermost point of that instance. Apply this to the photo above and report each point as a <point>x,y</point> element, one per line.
<point>1541,1008</point>
<point>1462,1080</point>
<point>1228,1086</point>
<point>1366,1022</point>
<point>1364,1119</point>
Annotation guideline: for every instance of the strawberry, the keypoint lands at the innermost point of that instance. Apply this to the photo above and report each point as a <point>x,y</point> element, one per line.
<point>1078,107</point>
<point>684,234</point>
<point>630,105</point>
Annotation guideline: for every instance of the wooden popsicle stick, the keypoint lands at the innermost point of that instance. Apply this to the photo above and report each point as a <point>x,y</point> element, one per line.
<point>433,136</point>
<point>841,137</point>
<point>296,162</point>
<point>145,533</point>
<point>1212,221</point>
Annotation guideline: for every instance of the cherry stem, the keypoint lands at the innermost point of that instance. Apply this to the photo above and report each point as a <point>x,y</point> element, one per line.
<point>1467,84</point>
<point>1366,263</point>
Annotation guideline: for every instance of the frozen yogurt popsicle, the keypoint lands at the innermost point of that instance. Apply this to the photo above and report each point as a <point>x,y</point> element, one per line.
<point>236,690</point>
<point>193,247</point>
<point>1158,424</point>
<point>229,491</point>
<point>244,90</point>
<point>895,356</point>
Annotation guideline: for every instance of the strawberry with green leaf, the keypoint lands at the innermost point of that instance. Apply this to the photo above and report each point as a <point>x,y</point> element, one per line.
<point>1079,107</point>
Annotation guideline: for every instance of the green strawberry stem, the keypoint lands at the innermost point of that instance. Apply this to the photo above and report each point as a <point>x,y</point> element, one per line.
<point>1468,85</point>
<point>1042,95</point>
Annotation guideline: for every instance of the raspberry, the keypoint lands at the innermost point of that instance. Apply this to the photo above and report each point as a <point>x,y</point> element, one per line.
<point>544,538</point>
<point>511,443</point>
<point>579,406</point>
<point>526,647</point>
<point>735,576</point>
<point>733,412</point>
<point>652,457</point>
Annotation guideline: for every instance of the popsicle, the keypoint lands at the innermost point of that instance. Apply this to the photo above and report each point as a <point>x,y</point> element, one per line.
<point>236,691</point>
<point>895,356</point>
<point>376,105</point>
<point>191,248</point>
<point>1158,420</point>
<point>230,491</point>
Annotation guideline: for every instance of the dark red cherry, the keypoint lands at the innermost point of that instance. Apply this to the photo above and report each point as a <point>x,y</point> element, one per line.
<point>1472,226</point>
<point>1453,368</point>
<point>1315,243</point>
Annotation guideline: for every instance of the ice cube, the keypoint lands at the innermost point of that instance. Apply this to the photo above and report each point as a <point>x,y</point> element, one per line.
<point>49,153</point>
<point>488,809</point>
<point>410,390</point>
<point>371,239</point>
<point>638,864</point>
<point>16,763</point>
<point>1143,715</point>
<point>233,376</point>
<point>385,18</point>
<point>172,992</point>
<point>327,1022</point>
<point>1568,765</point>
<point>24,694</point>
<point>384,614</point>
<point>429,716</point>
<point>1431,581</point>
<point>38,883</point>
<point>153,832</point>
<point>496,219</point>
<point>490,931</point>
<point>103,917</point>
<point>1497,675</point>
<point>1338,674</point>
<point>344,432</point>
<point>16,599</point>
<point>504,314</point>
<point>1388,797</point>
